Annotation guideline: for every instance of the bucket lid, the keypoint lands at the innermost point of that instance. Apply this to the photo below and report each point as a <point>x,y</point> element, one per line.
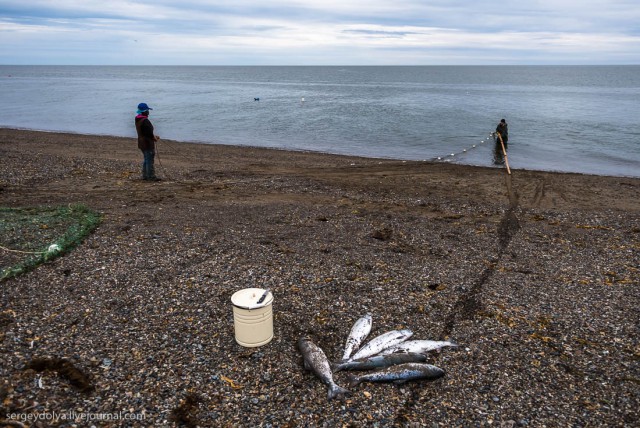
<point>248,298</point>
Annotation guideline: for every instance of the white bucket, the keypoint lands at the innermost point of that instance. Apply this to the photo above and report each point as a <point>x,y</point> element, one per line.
<point>253,321</point>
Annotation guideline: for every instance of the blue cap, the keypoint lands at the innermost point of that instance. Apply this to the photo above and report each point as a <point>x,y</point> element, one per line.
<point>143,107</point>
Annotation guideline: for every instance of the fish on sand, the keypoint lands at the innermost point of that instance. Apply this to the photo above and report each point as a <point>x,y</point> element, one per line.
<point>400,374</point>
<point>358,334</point>
<point>316,361</point>
<point>379,362</point>
<point>382,342</point>
<point>417,346</point>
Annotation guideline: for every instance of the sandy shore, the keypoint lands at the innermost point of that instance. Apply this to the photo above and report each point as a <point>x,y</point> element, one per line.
<point>535,277</point>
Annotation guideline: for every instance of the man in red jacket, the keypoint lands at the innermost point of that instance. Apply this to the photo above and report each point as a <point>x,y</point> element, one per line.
<point>146,142</point>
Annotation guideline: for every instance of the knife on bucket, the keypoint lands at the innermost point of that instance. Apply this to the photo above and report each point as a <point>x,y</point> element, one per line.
<point>264,295</point>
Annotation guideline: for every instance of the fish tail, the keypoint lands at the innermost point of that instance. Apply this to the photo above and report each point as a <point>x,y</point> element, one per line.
<point>353,380</point>
<point>336,367</point>
<point>348,350</point>
<point>336,391</point>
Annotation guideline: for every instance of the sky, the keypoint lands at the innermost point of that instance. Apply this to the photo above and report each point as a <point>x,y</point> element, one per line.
<point>319,32</point>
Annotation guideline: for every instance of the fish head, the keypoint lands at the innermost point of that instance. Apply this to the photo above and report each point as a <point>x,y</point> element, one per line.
<point>303,341</point>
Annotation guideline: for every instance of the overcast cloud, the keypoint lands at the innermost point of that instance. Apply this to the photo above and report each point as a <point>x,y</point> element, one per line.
<point>319,32</point>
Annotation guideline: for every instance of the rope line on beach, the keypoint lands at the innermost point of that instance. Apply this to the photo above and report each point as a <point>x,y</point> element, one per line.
<point>444,158</point>
<point>164,170</point>
<point>160,160</point>
<point>447,158</point>
<point>172,149</point>
<point>23,252</point>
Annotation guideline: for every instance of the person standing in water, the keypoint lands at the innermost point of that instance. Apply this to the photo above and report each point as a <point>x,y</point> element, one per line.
<point>498,154</point>
<point>146,142</point>
<point>503,130</point>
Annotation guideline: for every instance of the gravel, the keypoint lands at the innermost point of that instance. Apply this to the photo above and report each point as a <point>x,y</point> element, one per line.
<point>135,326</point>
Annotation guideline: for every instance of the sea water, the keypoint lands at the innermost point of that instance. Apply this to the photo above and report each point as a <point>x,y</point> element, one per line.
<point>561,118</point>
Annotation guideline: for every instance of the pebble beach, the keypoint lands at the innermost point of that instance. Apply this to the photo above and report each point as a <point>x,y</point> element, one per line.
<point>535,275</point>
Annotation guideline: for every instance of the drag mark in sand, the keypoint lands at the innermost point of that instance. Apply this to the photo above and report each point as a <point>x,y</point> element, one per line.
<point>469,304</point>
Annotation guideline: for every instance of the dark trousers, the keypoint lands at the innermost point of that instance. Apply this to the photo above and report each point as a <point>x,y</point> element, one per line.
<point>148,170</point>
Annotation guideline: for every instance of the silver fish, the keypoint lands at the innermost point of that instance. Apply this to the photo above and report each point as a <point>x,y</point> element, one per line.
<point>359,332</point>
<point>417,346</point>
<point>400,374</point>
<point>379,361</point>
<point>316,361</point>
<point>382,342</point>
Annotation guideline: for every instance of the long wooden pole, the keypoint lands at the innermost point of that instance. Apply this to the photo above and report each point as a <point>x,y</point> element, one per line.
<point>504,152</point>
